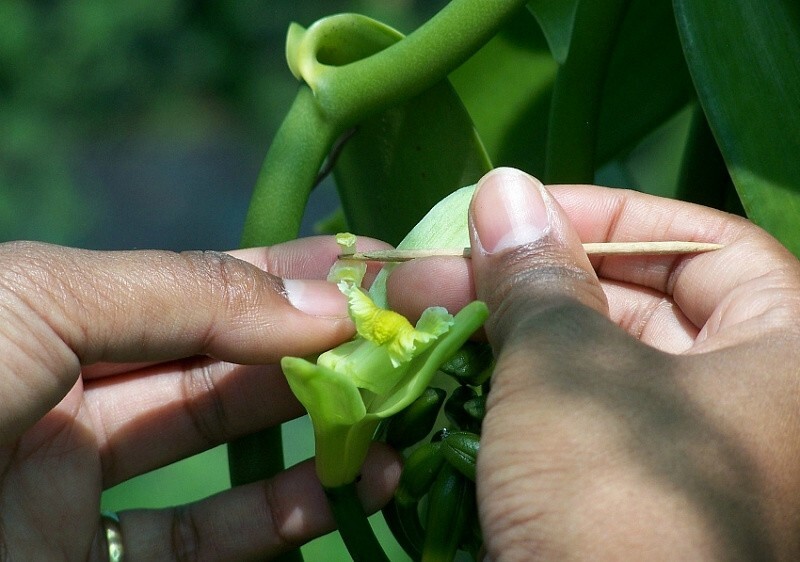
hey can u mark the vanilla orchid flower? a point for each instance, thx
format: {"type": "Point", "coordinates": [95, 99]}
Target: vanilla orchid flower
{"type": "Point", "coordinates": [354, 386]}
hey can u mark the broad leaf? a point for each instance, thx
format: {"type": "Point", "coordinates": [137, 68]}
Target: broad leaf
{"type": "Point", "coordinates": [556, 18]}
{"type": "Point", "coordinates": [743, 56]}
{"type": "Point", "coordinates": [647, 81]}
{"type": "Point", "coordinates": [401, 163]}
{"type": "Point", "coordinates": [506, 87]}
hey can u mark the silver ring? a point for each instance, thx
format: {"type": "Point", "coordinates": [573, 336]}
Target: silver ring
{"type": "Point", "coordinates": [113, 535]}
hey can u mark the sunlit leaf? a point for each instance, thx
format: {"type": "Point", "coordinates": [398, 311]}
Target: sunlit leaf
{"type": "Point", "coordinates": [743, 56]}
{"type": "Point", "coordinates": [506, 87]}
{"type": "Point", "coordinates": [647, 81]}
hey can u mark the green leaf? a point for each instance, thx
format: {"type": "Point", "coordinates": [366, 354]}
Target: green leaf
{"type": "Point", "coordinates": [577, 93]}
{"type": "Point", "coordinates": [399, 164]}
{"type": "Point", "coordinates": [647, 81]}
{"type": "Point", "coordinates": [506, 87]}
{"type": "Point", "coordinates": [557, 19]}
{"type": "Point", "coordinates": [743, 56]}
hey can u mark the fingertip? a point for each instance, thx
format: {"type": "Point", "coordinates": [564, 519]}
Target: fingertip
{"type": "Point", "coordinates": [316, 298]}
{"type": "Point", "coordinates": [306, 258]}
{"type": "Point", "coordinates": [525, 253]}
{"type": "Point", "coordinates": [418, 284]}
{"type": "Point", "coordinates": [509, 209]}
{"type": "Point", "coordinates": [379, 477]}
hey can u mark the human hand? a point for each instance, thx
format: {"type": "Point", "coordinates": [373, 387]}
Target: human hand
{"type": "Point", "coordinates": [116, 363]}
{"type": "Point", "coordinates": [645, 412]}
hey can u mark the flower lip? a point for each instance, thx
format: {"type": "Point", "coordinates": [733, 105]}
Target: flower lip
{"type": "Point", "coordinates": [388, 365]}
{"type": "Point", "coordinates": [354, 386]}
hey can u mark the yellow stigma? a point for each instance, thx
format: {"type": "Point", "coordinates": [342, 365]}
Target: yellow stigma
{"type": "Point", "coordinates": [374, 323]}
{"type": "Point", "coordinates": [384, 325]}
{"type": "Point", "coordinates": [380, 326]}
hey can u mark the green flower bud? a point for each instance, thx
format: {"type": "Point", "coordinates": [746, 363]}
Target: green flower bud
{"type": "Point", "coordinates": [415, 422]}
{"type": "Point", "coordinates": [351, 388]}
{"type": "Point", "coordinates": [460, 449]}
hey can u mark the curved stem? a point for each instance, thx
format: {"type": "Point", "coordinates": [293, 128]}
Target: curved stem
{"type": "Point", "coordinates": [284, 184]}
{"type": "Point", "coordinates": [415, 63]}
{"type": "Point", "coordinates": [289, 173]}
{"type": "Point", "coordinates": [356, 532]}
{"type": "Point", "coordinates": [577, 96]}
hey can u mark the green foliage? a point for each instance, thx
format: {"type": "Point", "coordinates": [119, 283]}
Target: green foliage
{"type": "Point", "coordinates": [744, 57]}
{"type": "Point", "coordinates": [684, 98]}
{"type": "Point", "coordinates": [87, 76]}
{"type": "Point", "coordinates": [695, 99]}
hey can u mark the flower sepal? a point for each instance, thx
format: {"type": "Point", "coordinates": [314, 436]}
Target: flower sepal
{"type": "Point", "coordinates": [351, 388]}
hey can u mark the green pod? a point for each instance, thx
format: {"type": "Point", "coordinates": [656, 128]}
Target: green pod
{"type": "Point", "coordinates": [451, 503]}
{"type": "Point", "coordinates": [403, 521]}
{"type": "Point", "coordinates": [460, 450]}
{"type": "Point", "coordinates": [412, 424]}
{"type": "Point", "coordinates": [454, 407]}
{"type": "Point", "coordinates": [472, 364]}
{"type": "Point", "coordinates": [472, 540]}
{"type": "Point", "coordinates": [476, 408]}
{"type": "Point", "coordinates": [419, 473]}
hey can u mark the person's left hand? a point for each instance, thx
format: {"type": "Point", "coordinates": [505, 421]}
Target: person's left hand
{"type": "Point", "coordinates": [166, 338]}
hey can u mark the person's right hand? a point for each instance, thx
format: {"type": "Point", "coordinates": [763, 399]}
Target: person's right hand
{"type": "Point", "coordinates": [653, 414]}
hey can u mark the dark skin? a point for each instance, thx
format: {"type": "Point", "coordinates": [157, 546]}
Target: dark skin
{"type": "Point", "coordinates": [648, 411]}
{"type": "Point", "coordinates": [116, 363]}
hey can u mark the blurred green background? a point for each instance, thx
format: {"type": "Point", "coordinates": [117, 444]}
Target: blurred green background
{"type": "Point", "coordinates": [143, 124]}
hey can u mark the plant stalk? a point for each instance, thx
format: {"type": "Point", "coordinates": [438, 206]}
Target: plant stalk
{"type": "Point", "coordinates": [417, 62]}
{"type": "Point", "coordinates": [289, 173]}
{"type": "Point", "coordinates": [354, 527]}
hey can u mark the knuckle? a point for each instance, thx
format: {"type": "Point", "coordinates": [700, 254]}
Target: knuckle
{"type": "Point", "coordinates": [233, 283]}
{"type": "Point", "coordinates": [275, 517]}
{"type": "Point", "coordinates": [540, 271]}
{"type": "Point", "coordinates": [204, 405]}
{"type": "Point", "coordinates": [236, 292]}
{"type": "Point", "coordinates": [185, 535]}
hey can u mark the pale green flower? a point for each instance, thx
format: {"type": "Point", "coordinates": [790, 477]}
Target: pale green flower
{"type": "Point", "coordinates": [352, 387]}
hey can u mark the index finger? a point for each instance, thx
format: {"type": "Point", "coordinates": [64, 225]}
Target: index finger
{"type": "Point", "coordinates": [699, 284]}
{"type": "Point", "coordinates": [64, 307]}
{"type": "Point", "coordinates": [306, 258]}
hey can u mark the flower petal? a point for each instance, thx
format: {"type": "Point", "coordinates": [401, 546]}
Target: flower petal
{"type": "Point", "coordinates": [422, 368]}
{"type": "Point", "coordinates": [328, 396]}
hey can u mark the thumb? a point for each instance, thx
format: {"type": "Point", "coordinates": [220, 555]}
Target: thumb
{"type": "Point", "coordinates": [529, 265]}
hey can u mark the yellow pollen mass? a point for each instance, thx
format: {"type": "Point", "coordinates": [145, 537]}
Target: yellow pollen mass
{"type": "Point", "coordinates": [386, 325]}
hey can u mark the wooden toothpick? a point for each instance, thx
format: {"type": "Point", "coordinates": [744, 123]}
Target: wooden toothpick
{"type": "Point", "coordinates": [591, 248]}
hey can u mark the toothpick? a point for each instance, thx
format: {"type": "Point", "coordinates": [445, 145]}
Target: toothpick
{"type": "Point", "coordinates": [591, 248]}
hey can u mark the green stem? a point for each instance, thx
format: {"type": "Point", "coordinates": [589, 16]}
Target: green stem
{"type": "Point", "coordinates": [578, 91]}
{"type": "Point", "coordinates": [276, 209]}
{"type": "Point", "coordinates": [403, 522]}
{"type": "Point", "coordinates": [289, 173]}
{"type": "Point", "coordinates": [414, 64]}
{"type": "Point", "coordinates": [354, 527]}
{"type": "Point", "coordinates": [252, 457]}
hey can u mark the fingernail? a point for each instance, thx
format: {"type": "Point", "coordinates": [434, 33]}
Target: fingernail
{"type": "Point", "coordinates": [508, 210]}
{"type": "Point", "coordinates": [317, 298]}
